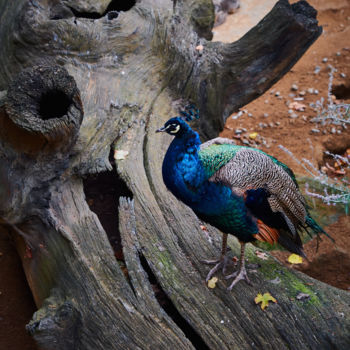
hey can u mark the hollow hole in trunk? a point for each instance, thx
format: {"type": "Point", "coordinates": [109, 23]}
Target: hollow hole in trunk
{"type": "Point", "coordinates": [167, 305]}
{"type": "Point", "coordinates": [53, 104]}
{"type": "Point", "coordinates": [111, 11]}
{"type": "Point", "coordinates": [102, 192]}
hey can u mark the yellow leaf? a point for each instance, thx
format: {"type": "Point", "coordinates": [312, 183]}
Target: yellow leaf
{"type": "Point", "coordinates": [212, 282]}
{"type": "Point", "coordinates": [253, 135]}
{"type": "Point", "coordinates": [295, 259]}
{"type": "Point", "coordinates": [264, 300]}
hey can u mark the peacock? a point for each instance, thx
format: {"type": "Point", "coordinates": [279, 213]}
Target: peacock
{"type": "Point", "coordinates": [238, 189]}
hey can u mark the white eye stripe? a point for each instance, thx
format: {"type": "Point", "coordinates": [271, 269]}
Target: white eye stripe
{"type": "Point", "coordinates": [177, 128]}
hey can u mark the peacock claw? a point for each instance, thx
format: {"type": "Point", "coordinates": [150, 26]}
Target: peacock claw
{"type": "Point", "coordinates": [238, 276]}
{"type": "Point", "coordinates": [219, 263]}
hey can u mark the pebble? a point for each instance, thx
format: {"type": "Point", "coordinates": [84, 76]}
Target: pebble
{"type": "Point", "coordinates": [338, 132]}
{"type": "Point", "coordinates": [294, 87]}
{"type": "Point", "coordinates": [333, 130]}
{"type": "Point", "coordinates": [304, 117]}
{"type": "Point", "coordinates": [315, 131]}
{"type": "Point", "coordinates": [343, 75]}
{"type": "Point", "coordinates": [290, 111]}
{"type": "Point", "coordinates": [302, 93]}
{"type": "Point", "coordinates": [324, 59]}
{"type": "Point", "coordinates": [245, 142]}
{"type": "Point", "coordinates": [278, 123]}
{"type": "Point", "coordinates": [265, 115]}
{"type": "Point", "coordinates": [293, 115]}
{"type": "Point", "coordinates": [280, 97]}
{"type": "Point", "coordinates": [310, 91]}
{"type": "Point", "coordinates": [317, 70]}
{"type": "Point", "coordinates": [277, 93]}
{"type": "Point", "coordinates": [291, 94]}
{"type": "Point", "coordinates": [250, 115]}
{"type": "Point", "coordinates": [266, 101]}
{"type": "Point", "coordinates": [338, 53]}
{"type": "Point", "coordinates": [271, 125]}
{"type": "Point", "coordinates": [298, 99]}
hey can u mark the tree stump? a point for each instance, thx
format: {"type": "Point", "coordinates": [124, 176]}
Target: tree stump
{"type": "Point", "coordinates": [80, 79]}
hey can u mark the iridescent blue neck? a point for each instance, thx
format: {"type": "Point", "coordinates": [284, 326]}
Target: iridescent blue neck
{"type": "Point", "coordinates": [181, 166]}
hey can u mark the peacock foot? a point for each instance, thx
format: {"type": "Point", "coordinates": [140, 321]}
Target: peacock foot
{"type": "Point", "coordinates": [239, 275]}
{"type": "Point", "coordinates": [220, 263]}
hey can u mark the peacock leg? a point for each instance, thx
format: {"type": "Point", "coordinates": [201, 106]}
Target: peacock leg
{"type": "Point", "coordinates": [219, 263]}
{"type": "Point", "coordinates": [241, 274]}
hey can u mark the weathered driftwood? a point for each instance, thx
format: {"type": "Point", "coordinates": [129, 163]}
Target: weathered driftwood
{"type": "Point", "coordinates": [133, 70]}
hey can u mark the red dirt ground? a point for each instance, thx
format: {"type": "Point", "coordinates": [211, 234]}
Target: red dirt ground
{"type": "Point", "coordinates": [331, 263]}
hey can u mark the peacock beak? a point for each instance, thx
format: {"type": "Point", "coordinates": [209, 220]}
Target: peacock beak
{"type": "Point", "coordinates": [162, 129]}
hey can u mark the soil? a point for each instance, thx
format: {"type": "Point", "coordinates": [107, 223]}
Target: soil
{"type": "Point", "coordinates": [276, 122]}
{"type": "Point", "coordinates": [331, 263]}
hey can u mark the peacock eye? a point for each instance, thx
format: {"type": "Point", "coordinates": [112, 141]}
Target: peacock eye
{"type": "Point", "coordinates": [176, 128]}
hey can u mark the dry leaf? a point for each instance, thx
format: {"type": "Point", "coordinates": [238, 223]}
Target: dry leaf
{"type": "Point", "coordinates": [264, 300]}
{"type": "Point", "coordinates": [261, 255]}
{"type": "Point", "coordinates": [253, 135]}
{"type": "Point", "coordinates": [297, 106]}
{"type": "Point", "coordinates": [199, 48]}
{"type": "Point", "coordinates": [212, 282]}
{"type": "Point", "coordinates": [120, 154]}
{"type": "Point", "coordinates": [295, 259]}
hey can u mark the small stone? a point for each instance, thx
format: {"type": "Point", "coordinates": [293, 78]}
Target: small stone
{"type": "Point", "coordinates": [338, 53]}
{"type": "Point", "coordinates": [250, 115]}
{"type": "Point", "coordinates": [294, 87]}
{"type": "Point", "coordinates": [304, 117]}
{"type": "Point", "coordinates": [245, 142]}
{"type": "Point", "coordinates": [317, 70]}
{"type": "Point", "coordinates": [298, 99]}
{"type": "Point", "coordinates": [280, 97]}
{"type": "Point", "coordinates": [302, 93]}
{"type": "Point", "coordinates": [271, 125]}
{"type": "Point", "coordinates": [277, 93]}
{"type": "Point", "coordinates": [310, 90]}
{"type": "Point", "coordinates": [265, 115]}
{"type": "Point", "coordinates": [238, 131]}
{"type": "Point", "coordinates": [278, 123]}
{"type": "Point", "coordinates": [266, 101]}
{"type": "Point", "coordinates": [324, 60]}
{"type": "Point", "coordinates": [293, 116]}
{"type": "Point", "coordinates": [315, 131]}
{"type": "Point", "coordinates": [302, 296]}
{"type": "Point", "coordinates": [343, 75]}
{"type": "Point", "coordinates": [291, 95]}
{"type": "Point", "coordinates": [333, 130]}
{"type": "Point", "coordinates": [315, 91]}
{"type": "Point", "coordinates": [338, 132]}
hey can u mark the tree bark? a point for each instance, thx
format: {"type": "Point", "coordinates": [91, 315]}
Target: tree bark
{"type": "Point", "coordinates": [110, 82]}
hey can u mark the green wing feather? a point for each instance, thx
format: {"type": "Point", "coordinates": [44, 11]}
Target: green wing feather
{"type": "Point", "coordinates": [216, 156]}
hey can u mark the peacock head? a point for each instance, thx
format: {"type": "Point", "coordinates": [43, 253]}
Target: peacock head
{"type": "Point", "coordinates": [176, 127]}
